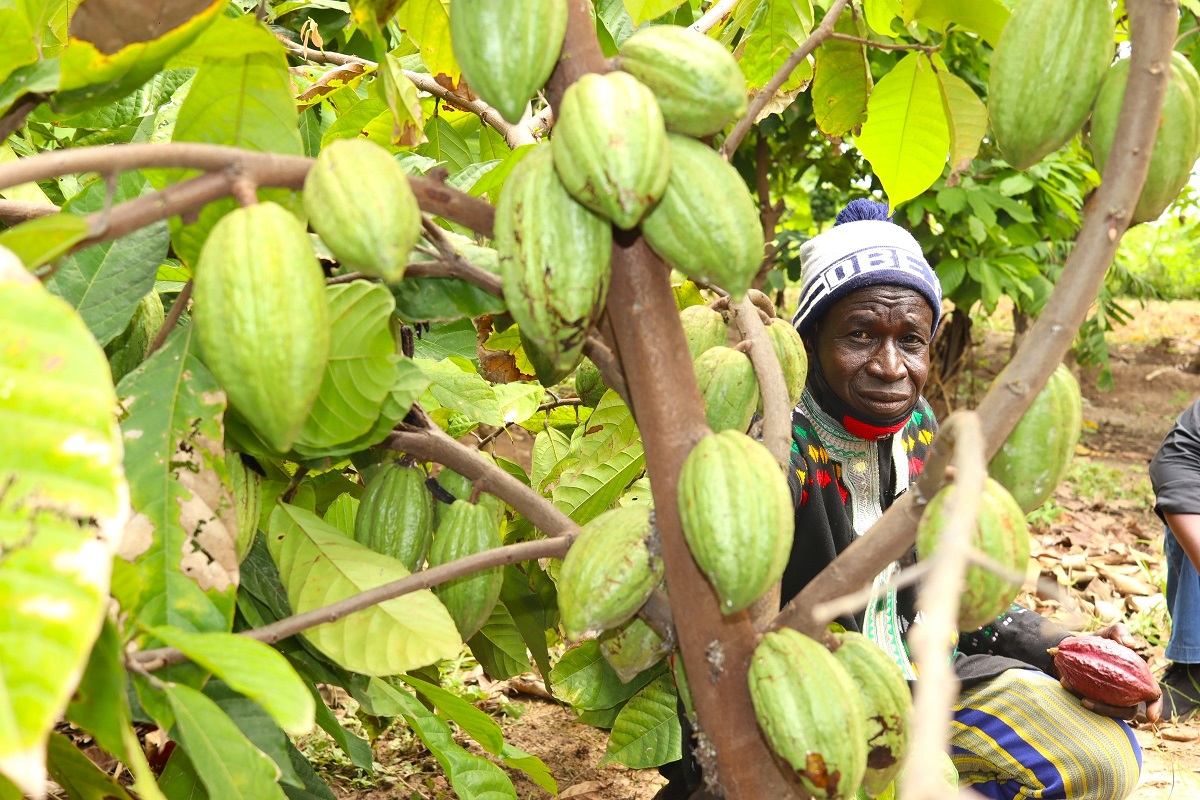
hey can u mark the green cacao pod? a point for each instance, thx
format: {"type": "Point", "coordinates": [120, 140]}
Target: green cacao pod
{"type": "Point", "coordinates": [359, 202]}
{"type": "Point", "coordinates": [729, 388]}
{"type": "Point", "coordinates": [1045, 73]}
{"type": "Point", "coordinates": [262, 318]}
{"type": "Point", "coordinates": [789, 349]}
{"type": "Point", "coordinates": [1175, 145]}
{"type": "Point", "coordinates": [465, 530]}
{"type": "Point", "coordinates": [698, 83]}
{"type": "Point", "coordinates": [610, 147]}
{"type": "Point", "coordinates": [1001, 535]}
{"type": "Point", "coordinates": [395, 515]}
{"type": "Point", "coordinates": [589, 383]}
{"type": "Point", "coordinates": [810, 712]}
{"type": "Point", "coordinates": [704, 329]}
{"type": "Point", "coordinates": [507, 50]}
{"type": "Point", "coordinates": [1035, 456]}
{"type": "Point", "coordinates": [247, 499]}
{"type": "Point", "coordinates": [706, 225]}
{"type": "Point", "coordinates": [736, 511]}
{"type": "Point", "coordinates": [554, 261]}
{"type": "Point", "coordinates": [609, 571]}
{"type": "Point", "coordinates": [462, 488]}
{"type": "Point", "coordinates": [632, 648]}
{"type": "Point", "coordinates": [886, 701]}
{"type": "Point", "coordinates": [129, 349]}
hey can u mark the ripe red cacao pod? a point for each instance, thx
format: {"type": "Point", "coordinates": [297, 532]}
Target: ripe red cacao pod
{"type": "Point", "coordinates": [1105, 671]}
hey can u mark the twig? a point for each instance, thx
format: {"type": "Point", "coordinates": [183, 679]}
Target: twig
{"type": "Point", "coordinates": [431, 443]}
{"type": "Point", "coordinates": [14, 118]}
{"type": "Point", "coordinates": [350, 277]}
{"type": "Point", "coordinates": [820, 34]}
{"type": "Point", "coordinates": [172, 318]}
{"type": "Point", "coordinates": [932, 641]}
{"type": "Point", "coordinates": [929, 49]}
{"type": "Point", "coordinates": [565, 401]}
{"type": "Point", "coordinates": [717, 13]}
{"type": "Point", "coordinates": [459, 267]}
{"type": "Point", "coordinates": [555, 547]}
{"type": "Point", "coordinates": [777, 429]}
{"type": "Point", "coordinates": [245, 191]}
{"type": "Point", "coordinates": [827, 612]}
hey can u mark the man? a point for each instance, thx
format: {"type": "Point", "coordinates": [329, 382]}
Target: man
{"type": "Point", "coordinates": [869, 306]}
{"type": "Point", "coordinates": [1175, 476]}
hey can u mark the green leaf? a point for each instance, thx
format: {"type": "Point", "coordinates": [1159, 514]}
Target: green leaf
{"type": "Point", "coordinates": [462, 391]}
{"type": "Point", "coordinates": [445, 145]}
{"type": "Point", "coordinates": [968, 119]}
{"type": "Point", "coordinates": [645, 10]}
{"type": "Point", "coordinates": [529, 613]}
{"type": "Point", "coordinates": [841, 82]}
{"type": "Point", "coordinates": [361, 368]}
{"type": "Point", "coordinates": [179, 486]}
{"type": "Point", "coordinates": [105, 282]}
{"type": "Point", "coordinates": [423, 299]}
{"type": "Point", "coordinates": [427, 22]}
{"type": "Point", "coordinates": [342, 513]}
{"type": "Point", "coordinates": [179, 780]}
{"type": "Point", "coordinates": [475, 723]}
{"type": "Point", "coordinates": [610, 457]}
{"type": "Point", "coordinates": [61, 515]}
{"type": "Point", "coordinates": [881, 14]}
{"type": "Point", "coordinates": [228, 764]}
{"type": "Point", "coordinates": [499, 647]}
{"type": "Point", "coordinates": [518, 401]}
{"type": "Point", "coordinates": [104, 62]}
{"type": "Point", "coordinates": [493, 181]}
{"type": "Point", "coordinates": [471, 777]}
{"type": "Point", "coordinates": [985, 17]}
{"type": "Point", "coordinates": [257, 725]}
{"type": "Point", "coordinates": [357, 749]}
{"type": "Point", "coordinates": [77, 775]}
{"type": "Point", "coordinates": [550, 447]}
{"type": "Point", "coordinates": [400, 94]}
{"type": "Point", "coordinates": [250, 668]}
{"type": "Point", "coordinates": [320, 565]}
{"type": "Point", "coordinates": [314, 787]}
{"type": "Point", "coordinates": [777, 30]}
{"type": "Point", "coordinates": [906, 136]}
{"type": "Point", "coordinates": [17, 42]}
{"type": "Point", "coordinates": [585, 680]}
{"type": "Point", "coordinates": [647, 731]}
{"type": "Point", "coordinates": [40, 77]}
{"type": "Point", "coordinates": [40, 241]}
{"type": "Point", "coordinates": [451, 339]}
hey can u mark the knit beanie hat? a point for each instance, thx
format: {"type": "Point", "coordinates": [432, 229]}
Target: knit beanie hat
{"type": "Point", "coordinates": [863, 248]}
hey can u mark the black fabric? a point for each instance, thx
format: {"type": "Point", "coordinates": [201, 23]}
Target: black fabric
{"type": "Point", "coordinates": [1175, 470]}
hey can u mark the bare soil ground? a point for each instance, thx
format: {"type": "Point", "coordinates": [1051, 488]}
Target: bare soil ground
{"type": "Point", "coordinates": [1099, 553]}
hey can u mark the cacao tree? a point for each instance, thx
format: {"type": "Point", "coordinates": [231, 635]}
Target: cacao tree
{"type": "Point", "coordinates": [241, 459]}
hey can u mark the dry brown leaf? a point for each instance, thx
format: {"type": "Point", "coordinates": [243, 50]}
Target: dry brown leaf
{"type": "Point", "coordinates": [588, 790]}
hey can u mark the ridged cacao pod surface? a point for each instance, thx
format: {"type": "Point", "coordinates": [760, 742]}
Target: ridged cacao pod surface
{"type": "Point", "coordinates": [589, 383]}
{"type": "Point", "coordinates": [729, 388]}
{"type": "Point", "coordinates": [610, 147]}
{"type": "Point", "coordinates": [395, 515]}
{"type": "Point", "coordinates": [632, 648]}
{"type": "Point", "coordinates": [129, 349]}
{"type": "Point", "coordinates": [887, 702]}
{"type": "Point", "coordinates": [810, 712]}
{"type": "Point", "coordinates": [247, 499]}
{"type": "Point", "coordinates": [507, 50]}
{"type": "Point", "coordinates": [462, 488]}
{"type": "Point", "coordinates": [1175, 146]}
{"type": "Point", "coordinates": [359, 202]}
{"type": "Point", "coordinates": [609, 571]}
{"type": "Point", "coordinates": [704, 328]}
{"type": "Point", "coordinates": [789, 349]}
{"type": "Point", "coordinates": [262, 318]}
{"type": "Point", "coordinates": [736, 512]}
{"type": "Point", "coordinates": [1045, 74]}
{"type": "Point", "coordinates": [706, 225]}
{"type": "Point", "coordinates": [554, 260]}
{"type": "Point", "coordinates": [1105, 671]}
{"type": "Point", "coordinates": [465, 530]}
{"type": "Point", "coordinates": [1002, 534]}
{"type": "Point", "coordinates": [1035, 456]}
{"type": "Point", "coordinates": [698, 83]}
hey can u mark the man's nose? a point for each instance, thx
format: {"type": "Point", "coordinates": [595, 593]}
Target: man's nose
{"type": "Point", "coordinates": [888, 364]}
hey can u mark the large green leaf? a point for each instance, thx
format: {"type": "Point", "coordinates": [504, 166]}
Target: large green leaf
{"type": "Point", "coordinates": [36, 78]}
{"type": "Point", "coordinates": [645, 10]}
{"type": "Point", "coordinates": [499, 647]}
{"type": "Point", "coordinates": [257, 725]}
{"type": "Point", "coordinates": [985, 17]}
{"type": "Point", "coordinates": [105, 282]}
{"type": "Point", "coordinates": [105, 61]}
{"type": "Point", "coordinates": [585, 680]}
{"type": "Point", "coordinates": [179, 485]}
{"type": "Point", "coordinates": [361, 368]}
{"type": "Point", "coordinates": [320, 565]}
{"type": "Point", "coordinates": [427, 23]}
{"type": "Point", "coordinates": [461, 390]}
{"type": "Point", "coordinates": [445, 145]}
{"type": "Point", "coordinates": [40, 241]}
{"type": "Point", "coordinates": [610, 457]}
{"type": "Point", "coordinates": [881, 14]}
{"type": "Point", "coordinates": [550, 446]}
{"type": "Point", "coordinates": [251, 668]}
{"type": "Point", "coordinates": [841, 81]}
{"type": "Point", "coordinates": [61, 513]}
{"type": "Point", "coordinates": [531, 613]}
{"type": "Point", "coordinates": [906, 136]}
{"type": "Point", "coordinates": [968, 119]}
{"type": "Point", "coordinates": [647, 732]}
{"type": "Point", "coordinates": [779, 27]}
{"type": "Point", "coordinates": [472, 777]}
{"type": "Point", "coordinates": [16, 41]}
{"type": "Point", "coordinates": [79, 777]}
{"type": "Point", "coordinates": [230, 767]}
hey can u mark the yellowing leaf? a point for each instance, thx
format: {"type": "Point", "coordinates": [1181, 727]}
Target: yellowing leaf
{"type": "Point", "coordinates": [880, 14]}
{"type": "Point", "coordinates": [320, 565]}
{"type": "Point", "coordinates": [842, 82]}
{"type": "Point", "coordinates": [775, 31]}
{"type": "Point", "coordinates": [643, 10]}
{"type": "Point", "coordinates": [968, 120]}
{"type": "Point", "coordinates": [427, 23]}
{"type": "Point", "coordinates": [985, 17]}
{"type": "Point", "coordinates": [906, 136]}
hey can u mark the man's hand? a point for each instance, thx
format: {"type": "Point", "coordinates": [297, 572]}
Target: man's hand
{"type": "Point", "coordinates": [1119, 633]}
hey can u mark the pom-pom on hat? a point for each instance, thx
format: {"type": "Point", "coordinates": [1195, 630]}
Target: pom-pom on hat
{"type": "Point", "coordinates": [863, 248]}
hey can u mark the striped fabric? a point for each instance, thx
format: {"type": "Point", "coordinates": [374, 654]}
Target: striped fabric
{"type": "Point", "coordinates": [1021, 735]}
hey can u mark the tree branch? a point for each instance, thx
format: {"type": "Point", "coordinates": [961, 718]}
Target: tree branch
{"type": "Point", "coordinates": [457, 266]}
{"type": "Point", "coordinates": [717, 13]}
{"type": "Point", "coordinates": [172, 318]}
{"type": "Point", "coordinates": [431, 443]}
{"type": "Point", "coordinates": [606, 361]}
{"type": "Point", "coordinates": [555, 547]}
{"type": "Point", "coordinates": [929, 49]}
{"type": "Point", "coordinates": [819, 34]}
{"type": "Point", "coordinates": [13, 212]}
{"type": "Point", "coordinates": [777, 429]}
{"type": "Point", "coordinates": [553, 404]}
{"type": "Point", "coordinates": [1153, 31]}
{"type": "Point", "coordinates": [14, 118]}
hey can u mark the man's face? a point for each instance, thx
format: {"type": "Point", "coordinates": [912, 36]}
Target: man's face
{"type": "Point", "coordinates": [874, 349]}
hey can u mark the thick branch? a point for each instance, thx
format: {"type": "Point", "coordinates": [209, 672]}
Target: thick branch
{"type": "Point", "coordinates": [433, 444]}
{"type": "Point", "coordinates": [555, 547]}
{"type": "Point", "coordinates": [13, 212]}
{"type": "Point", "coordinates": [1153, 31]}
{"type": "Point", "coordinates": [820, 34]}
{"type": "Point", "coordinates": [777, 429]}
{"type": "Point", "coordinates": [716, 15]}
{"type": "Point", "coordinates": [606, 361]}
{"type": "Point", "coordinates": [459, 267]}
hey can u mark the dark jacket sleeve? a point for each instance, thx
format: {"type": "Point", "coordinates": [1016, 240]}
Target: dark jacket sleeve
{"type": "Point", "coordinates": [1175, 470]}
{"type": "Point", "coordinates": [1018, 634]}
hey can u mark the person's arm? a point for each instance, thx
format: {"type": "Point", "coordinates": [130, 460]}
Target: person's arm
{"type": "Point", "coordinates": [1186, 528]}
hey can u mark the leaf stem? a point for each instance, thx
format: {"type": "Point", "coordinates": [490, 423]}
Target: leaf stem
{"type": "Point", "coordinates": [172, 319]}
